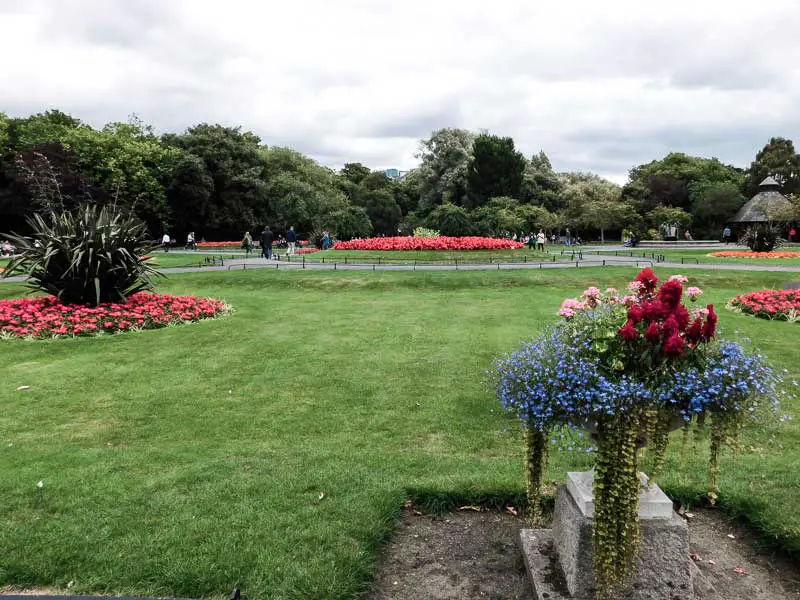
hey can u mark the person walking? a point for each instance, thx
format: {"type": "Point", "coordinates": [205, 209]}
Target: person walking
{"type": "Point", "coordinates": [540, 239]}
{"type": "Point", "coordinates": [190, 243]}
{"type": "Point", "coordinates": [726, 234]}
{"type": "Point", "coordinates": [165, 242]}
{"type": "Point", "coordinates": [267, 237]}
{"type": "Point", "coordinates": [247, 243]}
{"type": "Point", "coordinates": [326, 240]}
{"type": "Point", "coordinates": [792, 235]}
{"type": "Point", "coordinates": [569, 238]}
{"type": "Point", "coordinates": [291, 240]}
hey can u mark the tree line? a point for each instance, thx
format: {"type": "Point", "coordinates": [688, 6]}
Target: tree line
{"type": "Point", "coordinates": [221, 181]}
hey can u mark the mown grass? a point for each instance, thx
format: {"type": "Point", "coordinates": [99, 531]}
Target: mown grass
{"type": "Point", "coordinates": [703, 256]}
{"type": "Point", "coordinates": [186, 460]}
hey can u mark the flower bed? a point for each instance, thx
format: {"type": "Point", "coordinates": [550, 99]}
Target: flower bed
{"type": "Point", "coordinates": [218, 244]}
{"type": "Point", "coordinates": [778, 305]}
{"type": "Point", "coordinates": [751, 254]}
{"type": "Point", "coordinates": [47, 317]}
{"type": "Point", "coordinates": [301, 243]}
{"type": "Point", "coordinates": [306, 250]}
{"type": "Point", "coordinates": [437, 243]}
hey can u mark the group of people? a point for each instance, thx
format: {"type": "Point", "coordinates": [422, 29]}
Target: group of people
{"type": "Point", "coordinates": [267, 240]}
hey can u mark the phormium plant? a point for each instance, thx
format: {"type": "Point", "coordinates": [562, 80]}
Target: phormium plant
{"type": "Point", "coordinates": [87, 256]}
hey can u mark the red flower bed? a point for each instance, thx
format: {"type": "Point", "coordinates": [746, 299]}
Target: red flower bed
{"type": "Point", "coordinates": [751, 254]}
{"type": "Point", "coordinates": [47, 317]}
{"type": "Point", "coordinates": [780, 305]}
{"type": "Point", "coordinates": [439, 243]}
{"type": "Point", "coordinates": [217, 244]}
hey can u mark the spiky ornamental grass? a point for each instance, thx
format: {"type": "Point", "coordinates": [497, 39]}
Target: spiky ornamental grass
{"type": "Point", "coordinates": [89, 256]}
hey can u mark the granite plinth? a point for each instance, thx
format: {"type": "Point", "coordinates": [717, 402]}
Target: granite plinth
{"type": "Point", "coordinates": [653, 502]}
{"type": "Point", "coordinates": [661, 569]}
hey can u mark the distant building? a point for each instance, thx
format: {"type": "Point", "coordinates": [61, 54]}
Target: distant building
{"type": "Point", "coordinates": [766, 203]}
{"type": "Point", "coordinates": [395, 173]}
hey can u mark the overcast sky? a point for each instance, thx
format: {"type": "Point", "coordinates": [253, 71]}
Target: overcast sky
{"type": "Point", "coordinates": [599, 86]}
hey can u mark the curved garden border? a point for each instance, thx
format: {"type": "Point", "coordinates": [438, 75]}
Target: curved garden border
{"type": "Point", "coordinates": [46, 317]}
{"type": "Point", "coordinates": [776, 305]}
{"type": "Point", "coordinates": [751, 254]}
{"type": "Point", "coordinates": [436, 243]}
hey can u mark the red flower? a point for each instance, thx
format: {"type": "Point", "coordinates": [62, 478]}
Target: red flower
{"type": "Point", "coordinates": [636, 313]}
{"type": "Point", "coordinates": [653, 333]}
{"type": "Point", "coordinates": [710, 326]}
{"type": "Point", "coordinates": [655, 311]}
{"type": "Point", "coordinates": [674, 346]}
{"type": "Point", "coordinates": [695, 331]}
{"type": "Point", "coordinates": [670, 293]}
{"type": "Point", "coordinates": [682, 316]}
{"type": "Point", "coordinates": [648, 280]}
{"type": "Point", "coordinates": [629, 333]}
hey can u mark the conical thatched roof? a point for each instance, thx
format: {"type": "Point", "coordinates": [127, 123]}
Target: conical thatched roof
{"type": "Point", "coordinates": [768, 201]}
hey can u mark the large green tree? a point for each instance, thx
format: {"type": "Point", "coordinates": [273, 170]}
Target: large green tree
{"type": "Point", "coordinates": [449, 219]}
{"type": "Point", "coordinates": [301, 193]}
{"type": "Point", "coordinates": [671, 180]}
{"type": "Point", "coordinates": [495, 170]}
{"type": "Point", "coordinates": [779, 160]}
{"type": "Point", "coordinates": [713, 204]}
{"type": "Point", "coordinates": [541, 185]}
{"type": "Point", "coordinates": [444, 162]}
{"type": "Point", "coordinates": [222, 169]}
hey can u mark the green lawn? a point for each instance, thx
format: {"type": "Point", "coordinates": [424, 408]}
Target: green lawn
{"type": "Point", "coordinates": [186, 460]}
{"type": "Point", "coordinates": [703, 256]}
{"type": "Point", "coordinates": [437, 256]}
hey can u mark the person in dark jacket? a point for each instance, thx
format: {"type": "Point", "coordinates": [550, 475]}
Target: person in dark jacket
{"type": "Point", "coordinates": [291, 240]}
{"type": "Point", "coordinates": [267, 237]}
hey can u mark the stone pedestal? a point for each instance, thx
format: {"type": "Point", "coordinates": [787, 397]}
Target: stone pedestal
{"type": "Point", "coordinates": [662, 569]}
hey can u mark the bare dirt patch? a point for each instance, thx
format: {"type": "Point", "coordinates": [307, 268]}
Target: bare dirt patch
{"type": "Point", "coordinates": [469, 555]}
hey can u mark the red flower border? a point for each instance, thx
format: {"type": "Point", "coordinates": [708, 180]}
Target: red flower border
{"type": "Point", "coordinates": [466, 243]}
{"type": "Point", "coordinates": [776, 305]}
{"type": "Point", "coordinates": [751, 254]}
{"type": "Point", "coordinates": [47, 317]}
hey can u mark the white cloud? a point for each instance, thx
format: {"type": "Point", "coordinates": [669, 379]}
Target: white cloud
{"type": "Point", "coordinates": [598, 86]}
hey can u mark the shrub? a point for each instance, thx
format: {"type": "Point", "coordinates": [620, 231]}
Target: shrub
{"type": "Point", "coordinates": [424, 232]}
{"type": "Point", "coordinates": [89, 256]}
{"type": "Point", "coordinates": [762, 238]}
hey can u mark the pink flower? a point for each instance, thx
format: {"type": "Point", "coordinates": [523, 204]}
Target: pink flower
{"type": "Point", "coordinates": [566, 313]}
{"type": "Point", "coordinates": [592, 292]}
{"type": "Point", "coordinates": [693, 293]}
{"type": "Point", "coordinates": [679, 278]}
{"type": "Point", "coordinates": [635, 286]}
{"type": "Point", "coordinates": [570, 303]}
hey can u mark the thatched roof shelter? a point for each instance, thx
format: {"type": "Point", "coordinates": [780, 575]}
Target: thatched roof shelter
{"type": "Point", "coordinates": [768, 201]}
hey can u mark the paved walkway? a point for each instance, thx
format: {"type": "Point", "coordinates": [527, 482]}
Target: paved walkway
{"type": "Point", "coordinates": [561, 263]}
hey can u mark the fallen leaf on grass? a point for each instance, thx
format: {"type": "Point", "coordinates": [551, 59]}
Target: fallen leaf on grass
{"type": "Point", "coordinates": [408, 503]}
{"type": "Point", "coordinates": [512, 511]}
{"type": "Point", "coordinates": [23, 387]}
{"type": "Point", "coordinates": [730, 535]}
{"type": "Point", "coordinates": [740, 571]}
{"type": "Point", "coordinates": [472, 508]}
{"type": "Point", "coordinates": [322, 495]}
{"type": "Point", "coordinates": [712, 562]}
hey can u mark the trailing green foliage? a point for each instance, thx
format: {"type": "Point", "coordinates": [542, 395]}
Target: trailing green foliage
{"type": "Point", "coordinates": [92, 255]}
